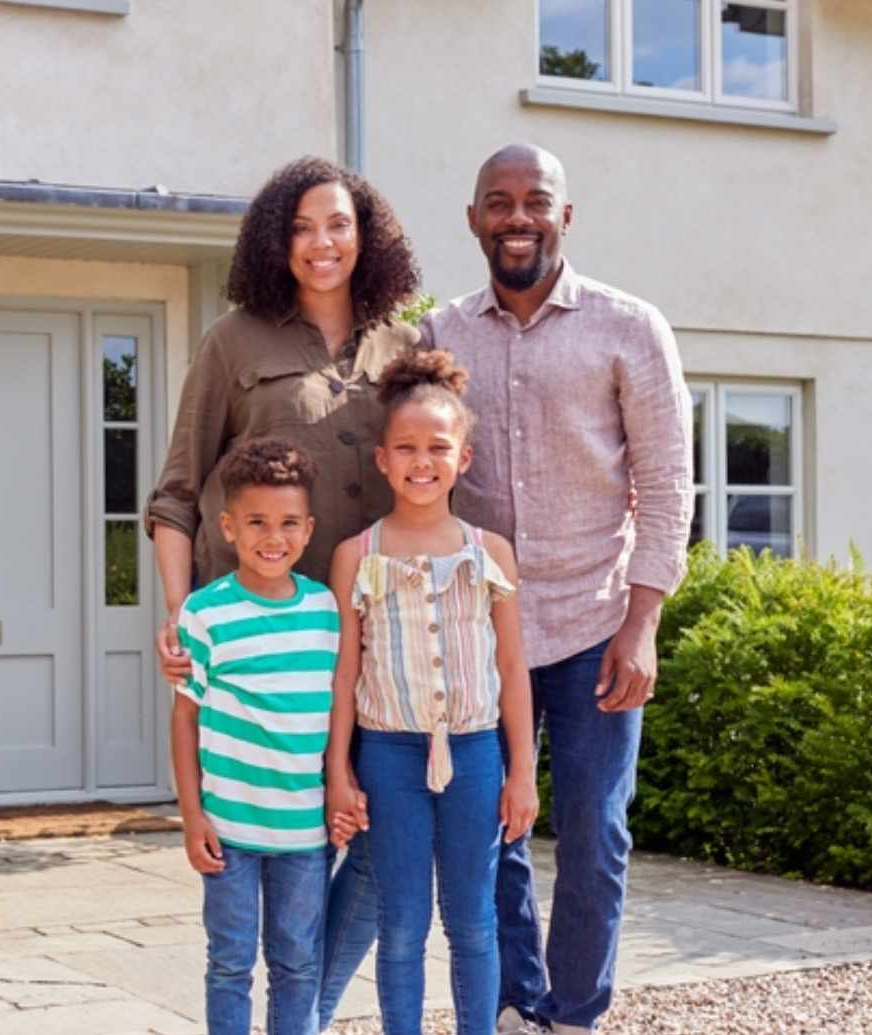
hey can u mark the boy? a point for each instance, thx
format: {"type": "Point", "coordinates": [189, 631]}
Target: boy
{"type": "Point", "coordinates": [249, 730]}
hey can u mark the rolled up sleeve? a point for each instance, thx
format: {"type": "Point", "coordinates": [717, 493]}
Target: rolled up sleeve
{"type": "Point", "coordinates": [657, 417]}
{"type": "Point", "coordinates": [197, 443]}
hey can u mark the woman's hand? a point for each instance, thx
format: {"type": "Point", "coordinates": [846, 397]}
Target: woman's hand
{"type": "Point", "coordinates": [519, 805]}
{"type": "Point", "coordinates": [175, 664]}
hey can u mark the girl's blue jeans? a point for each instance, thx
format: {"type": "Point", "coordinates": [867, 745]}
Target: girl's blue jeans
{"type": "Point", "coordinates": [410, 828]}
{"type": "Point", "coordinates": [291, 887]}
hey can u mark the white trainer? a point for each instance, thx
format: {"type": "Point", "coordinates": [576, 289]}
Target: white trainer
{"type": "Point", "coordinates": [510, 1022]}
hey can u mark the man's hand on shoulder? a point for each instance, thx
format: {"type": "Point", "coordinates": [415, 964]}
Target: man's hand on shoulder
{"type": "Point", "coordinates": [629, 668]}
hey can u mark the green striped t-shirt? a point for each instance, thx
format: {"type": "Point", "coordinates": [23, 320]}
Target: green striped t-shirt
{"type": "Point", "coordinates": [262, 677]}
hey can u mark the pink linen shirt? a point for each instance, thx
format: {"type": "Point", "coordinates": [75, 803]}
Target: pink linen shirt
{"type": "Point", "coordinates": [572, 408]}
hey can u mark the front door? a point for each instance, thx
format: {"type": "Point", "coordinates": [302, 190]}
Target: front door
{"type": "Point", "coordinates": [41, 538]}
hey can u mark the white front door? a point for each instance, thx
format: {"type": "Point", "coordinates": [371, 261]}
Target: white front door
{"type": "Point", "coordinates": [81, 714]}
{"type": "Point", "coordinates": [41, 571]}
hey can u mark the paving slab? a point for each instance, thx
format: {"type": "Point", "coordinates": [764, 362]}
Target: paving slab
{"type": "Point", "coordinates": [114, 1018]}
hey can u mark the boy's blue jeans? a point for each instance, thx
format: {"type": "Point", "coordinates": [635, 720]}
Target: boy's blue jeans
{"type": "Point", "coordinates": [410, 828]}
{"type": "Point", "coordinates": [291, 887]}
{"type": "Point", "coordinates": [593, 766]}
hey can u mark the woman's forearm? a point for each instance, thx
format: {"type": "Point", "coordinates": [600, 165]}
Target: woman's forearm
{"type": "Point", "coordinates": [175, 561]}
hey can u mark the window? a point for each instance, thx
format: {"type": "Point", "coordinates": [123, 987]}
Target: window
{"type": "Point", "coordinates": [747, 466]}
{"type": "Point", "coordinates": [715, 52]}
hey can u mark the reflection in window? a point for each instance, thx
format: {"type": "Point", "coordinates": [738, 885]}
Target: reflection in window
{"type": "Point", "coordinates": [758, 439]}
{"type": "Point", "coordinates": [119, 378]}
{"type": "Point", "coordinates": [122, 564]}
{"type": "Point", "coordinates": [760, 522]}
{"type": "Point", "coordinates": [754, 46]}
{"type": "Point", "coordinates": [666, 44]}
{"type": "Point", "coordinates": [698, 522]}
{"type": "Point", "coordinates": [699, 473]}
{"type": "Point", "coordinates": [575, 39]}
{"type": "Point", "coordinates": [120, 468]}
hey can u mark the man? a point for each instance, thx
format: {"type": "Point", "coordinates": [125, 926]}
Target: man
{"type": "Point", "coordinates": [580, 401]}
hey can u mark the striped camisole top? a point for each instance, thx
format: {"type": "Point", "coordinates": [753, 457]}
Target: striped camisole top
{"type": "Point", "coordinates": [428, 663]}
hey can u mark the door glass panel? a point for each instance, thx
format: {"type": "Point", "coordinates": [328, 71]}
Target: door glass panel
{"type": "Point", "coordinates": [760, 522]}
{"type": "Point", "coordinates": [698, 522]}
{"type": "Point", "coordinates": [699, 472]}
{"type": "Point", "coordinates": [122, 563]}
{"type": "Point", "coordinates": [754, 48]}
{"type": "Point", "coordinates": [758, 439]}
{"type": "Point", "coordinates": [119, 378]}
{"type": "Point", "coordinates": [666, 44]}
{"type": "Point", "coordinates": [575, 37]}
{"type": "Point", "coordinates": [120, 470]}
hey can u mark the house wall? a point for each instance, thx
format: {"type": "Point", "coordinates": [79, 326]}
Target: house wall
{"type": "Point", "coordinates": [202, 96]}
{"type": "Point", "coordinates": [756, 243]}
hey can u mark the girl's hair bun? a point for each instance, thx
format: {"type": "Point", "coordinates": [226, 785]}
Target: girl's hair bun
{"type": "Point", "coordinates": [415, 367]}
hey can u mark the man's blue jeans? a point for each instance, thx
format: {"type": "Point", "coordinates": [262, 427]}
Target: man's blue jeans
{"type": "Point", "coordinates": [593, 766]}
{"type": "Point", "coordinates": [291, 886]}
{"type": "Point", "coordinates": [593, 773]}
{"type": "Point", "coordinates": [410, 828]}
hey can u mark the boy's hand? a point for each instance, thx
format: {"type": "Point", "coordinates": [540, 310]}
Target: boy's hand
{"type": "Point", "coordinates": [203, 846]}
{"type": "Point", "coordinates": [519, 806]}
{"type": "Point", "coordinates": [342, 829]}
{"type": "Point", "coordinates": [346, 810]}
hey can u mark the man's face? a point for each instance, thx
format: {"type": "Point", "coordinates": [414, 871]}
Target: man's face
{"type": "Point", "coordinates": [519, 216]}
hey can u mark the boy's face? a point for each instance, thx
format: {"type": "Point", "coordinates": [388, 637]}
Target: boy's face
{"type": "Point", "coordinates": [270, 526]}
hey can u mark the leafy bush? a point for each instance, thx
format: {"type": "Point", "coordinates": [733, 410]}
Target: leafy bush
{"type": "Point", "coordinates": [413, 312]}
{"type": "Point", "coordinates": [757, 750]}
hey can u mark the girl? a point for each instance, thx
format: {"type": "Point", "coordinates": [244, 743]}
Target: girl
{"type": "Point", "coordinates": [430, 657]}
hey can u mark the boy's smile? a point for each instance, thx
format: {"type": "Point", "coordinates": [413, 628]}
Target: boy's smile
{"type": "Point", "coordinates": [270, 526]}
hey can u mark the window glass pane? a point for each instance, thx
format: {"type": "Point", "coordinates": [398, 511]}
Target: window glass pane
{"type": "Point", "coordinates": [699, 472]}
{"type": "Point", "coordinates": [697, 524]}
{"type": "Point", "coordinates": [666, 44]}
{"type": "Point", "coordinates": [574, 39]}
{"type": "Point", "coordinates": [119, 378]}
{"type": "Point", "coordinates": [760, 522]}
{"type": "Point", "coordinates": [754, 47]}
{"type": "Point", "coordinates": [122, 563]}
{"type": "Point", "coordinates": [120, 471]}
{"type": "Point", "coordinates": [758, 439]}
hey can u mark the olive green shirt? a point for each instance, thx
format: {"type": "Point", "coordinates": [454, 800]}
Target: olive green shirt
{"type": "Point", "coordinates": [253, 378]}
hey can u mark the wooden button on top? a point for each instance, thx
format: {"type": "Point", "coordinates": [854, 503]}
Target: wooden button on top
{"type": "Point", "coordinates": [437, 663]}
{"type": "Point", "coordinates": [433, 627]}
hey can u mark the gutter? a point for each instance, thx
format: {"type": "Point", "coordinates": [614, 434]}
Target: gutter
{"type": "Point", "coordinates": [353, 50]}
{"type": "Point", "coordinates": [154, 199]}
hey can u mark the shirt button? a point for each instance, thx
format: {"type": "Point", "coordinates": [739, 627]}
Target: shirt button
{"type": "Point", "coordinates": [523, 535]}
{"type": "Point", "coordinates": [353, 490]}
{"type": "Point", "coordinates": [433, 627]}
{"type": "Point", "coordinates": [439, 695]}
{"type": "Point", "coordinates": [426, 566]}
{"type": "Point", "coordinates": [516, 383]}
{"type": "Point", "coordinates": [518, 433]}
{"type": "Point", "coordinates": [437, 663]}
{"type": "Point", "coordinates": [337, 387]}
{"type": "Point", "coordinates": [431, 598]}
{"type": "Point", "coordinates": [520, 485]}
{"type": "Point", "coordinates": [347, 438]}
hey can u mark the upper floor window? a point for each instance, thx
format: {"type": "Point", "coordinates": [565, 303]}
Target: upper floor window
{"type": "Point", "coordinates": [712, 51]}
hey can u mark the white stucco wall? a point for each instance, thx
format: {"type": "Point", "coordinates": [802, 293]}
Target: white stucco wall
{"type": "Point", "coordinates": [203, 96]}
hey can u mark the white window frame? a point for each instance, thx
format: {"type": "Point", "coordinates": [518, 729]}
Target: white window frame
{"type": "Point", "coordinates": [119, 7]}
{"type": "Point", "coordinates": [716, 488]}
{"type": "Point", "coordinates": [711, 93]}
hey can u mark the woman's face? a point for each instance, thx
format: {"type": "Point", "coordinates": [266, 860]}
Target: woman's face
{"type": "Point", "coordinates": [324, 241]}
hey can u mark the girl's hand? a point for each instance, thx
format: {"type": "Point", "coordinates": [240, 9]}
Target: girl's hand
{"type": "Point", "coordinates": [202, 845]}
{"type": "Point", "coordinates": [519, 806]}
{"type": "Point", "coordinates": [346, 809]}
{"type": "Point", "coordinates": [175, 665]}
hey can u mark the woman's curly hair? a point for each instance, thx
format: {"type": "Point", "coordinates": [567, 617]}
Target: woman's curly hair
{"type": "Point", "coordinates": [385, 276]}
{"type": "Point", "coordinates": [420, 375]}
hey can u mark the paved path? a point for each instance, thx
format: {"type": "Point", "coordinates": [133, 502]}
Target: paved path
{"type": "Point", "coordinates": [102, 936]}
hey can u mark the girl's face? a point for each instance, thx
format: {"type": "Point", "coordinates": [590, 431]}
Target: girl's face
{"type": "Point", "coordinates": [423, 450]}
{"type": "Point", "coordinates": [324, 242]}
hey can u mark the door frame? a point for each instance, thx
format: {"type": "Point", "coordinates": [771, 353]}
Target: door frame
{"type": "Point", "coordinates": [86, 309]}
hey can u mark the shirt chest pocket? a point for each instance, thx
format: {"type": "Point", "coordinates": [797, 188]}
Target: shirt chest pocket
{"type": "Point", "coordinates": [280, 393]}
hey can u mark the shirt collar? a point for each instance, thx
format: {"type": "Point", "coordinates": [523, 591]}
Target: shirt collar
{"type": "Point", "coordinates": [566, 293]}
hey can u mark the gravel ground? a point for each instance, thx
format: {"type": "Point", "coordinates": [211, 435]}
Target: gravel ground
{"type": "Point", "coordinates": [830, 1001]}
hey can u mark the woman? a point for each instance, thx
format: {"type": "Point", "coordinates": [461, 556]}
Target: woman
{"type": "Point", "coordinates": [320, 266]}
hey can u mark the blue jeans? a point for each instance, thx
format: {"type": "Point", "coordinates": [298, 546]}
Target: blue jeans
{"type": "Point", "coordinates": [593, 773]}
{"type": "Point", "coordinates": [291, 886]}
{"type": "Point", "coordinates": [410, 828]}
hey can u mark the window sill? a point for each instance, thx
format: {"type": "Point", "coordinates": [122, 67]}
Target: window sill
{"type": "Point", "coordinates": [91, 6]}
{"type": "Point", "coordinates": [551, 97]}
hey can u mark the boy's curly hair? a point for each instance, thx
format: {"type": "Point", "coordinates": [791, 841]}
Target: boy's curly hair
{"type": "Point", "coordinates": [419, 375]}
{"type": "Point", "coordinates": [266, 461]}
{"type": "Point", "coordinates": [386, 274]}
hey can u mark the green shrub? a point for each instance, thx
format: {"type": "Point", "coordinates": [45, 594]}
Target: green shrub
{"type": "Point", "coordinates": [757, 750]}
{"type": "Point", "coordinates": [413, 312]}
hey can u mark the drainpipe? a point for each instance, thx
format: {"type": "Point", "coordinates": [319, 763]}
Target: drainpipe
{"type": "Point", "coordinates": [353, 50]}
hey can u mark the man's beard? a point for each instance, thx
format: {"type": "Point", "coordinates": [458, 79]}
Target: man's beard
{"type": "Point", "coordinates": [521, 278]}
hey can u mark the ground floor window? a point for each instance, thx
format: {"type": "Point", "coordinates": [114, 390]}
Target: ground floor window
{"type": "Point", "coordinates": [747, 465]}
